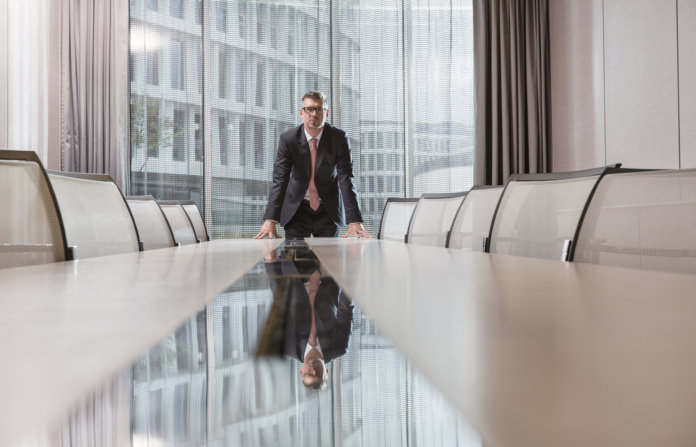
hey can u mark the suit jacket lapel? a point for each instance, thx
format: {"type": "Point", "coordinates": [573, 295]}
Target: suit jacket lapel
{"type": "Point", "coordinates": [305, 154]}
{"type": "Point", "coordinates": [324, 144]}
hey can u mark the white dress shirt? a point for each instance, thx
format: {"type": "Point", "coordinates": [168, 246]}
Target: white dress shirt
{"type": "Point", "coordinates": [309, 347]}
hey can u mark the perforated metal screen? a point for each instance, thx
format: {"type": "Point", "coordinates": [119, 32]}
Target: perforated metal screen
{"type": "Point", "coordinates": [432, 220]}
{"type": "Point", "coordinates": [96, 217]}
{"type": "Point", "coordinates": [397, 216]}
{"type": "Point", "coordinates": [180, 224]}
{"type": "Point", "coordinates": [642, 220]}
{"type": "Point", "coordinates": [535, 217]}
{"type": "Point", "coordinates": [29, 225]}
{"type": "Point", "coordinates": [153, 228]}
{"type": "Point", "coordinates": [473, 222]}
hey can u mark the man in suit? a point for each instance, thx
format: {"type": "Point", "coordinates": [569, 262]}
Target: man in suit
{"type": "Point", "coordinates": [313, 191]}
{"type": "Point", "coordinates": [319, 318]}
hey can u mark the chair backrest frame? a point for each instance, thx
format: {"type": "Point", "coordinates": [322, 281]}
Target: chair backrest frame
{"type": "Point", "coordinates": [178, 203]}
{"type": "Point", "coordinates": [32, 157]}
{"type": "Point", "coordinates": [447, 195]}
{"type": "Point", "coordinates": [599, 172]}
{"type": "Point", "coordinates": [102, 178]}
{"type": "Point", "coordinates": [394, 199]}
{"type": "Point", "coordinates": [473, 188]}
{"type": "Point", "coordinates": [614, 169]}
{"type": "Point", "coordinates": [193, 202]}
{"type": "Point", "coordinates": [152, 199]}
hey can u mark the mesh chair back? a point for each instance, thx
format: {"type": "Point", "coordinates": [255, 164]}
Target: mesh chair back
{"type": "Point", "coordinates": [395, 219]}
{"type": "Point", "coordinates": [179, 222]}
{"type": "Point", "coordinates": [432, 219]}
{"type": "Point", "coordinates": [642, 220]}
{"type": "Point", "coordinates": [95, 214]}
{"type": "Point", "coordinates": [536, 216]}
{"type": "Point", "coordinates": [31, 230]}
{"type": "Point", "coordinates": [153, 227]}
{"type": "Point", "coordinates": [473, 222]}
{"type": "Point", "coordinates": [194, 215]}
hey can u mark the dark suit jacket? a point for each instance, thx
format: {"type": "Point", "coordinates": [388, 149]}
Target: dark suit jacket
{"type": "Point", "coordinates": [333, 176]}
{"type": "Point", "coordinates": [333, 311]}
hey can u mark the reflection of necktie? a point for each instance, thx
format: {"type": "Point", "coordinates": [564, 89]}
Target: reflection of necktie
{"type": "Point", "coordinates": [313, 194]}
{"type": "Point", "coordinates": [313, 287]}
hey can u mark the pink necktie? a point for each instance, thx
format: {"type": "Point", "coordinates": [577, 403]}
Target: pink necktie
{"type": "Point", "coordinates": [313, 288]}
{"type": "Point", "coordinates": [313, 194]}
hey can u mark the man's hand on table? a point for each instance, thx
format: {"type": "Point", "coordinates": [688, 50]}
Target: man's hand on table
{"type": "Point", "coordinates": [358, 231]}
{"type": "Point", "coordinates": [268, 229]}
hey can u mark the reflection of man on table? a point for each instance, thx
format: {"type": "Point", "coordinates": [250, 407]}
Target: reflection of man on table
{"type": "Point", "coordinates": [319, 316]}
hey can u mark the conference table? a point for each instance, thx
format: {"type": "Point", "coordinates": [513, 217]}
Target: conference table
{"type": "Point", "coordinates": [530, 352]}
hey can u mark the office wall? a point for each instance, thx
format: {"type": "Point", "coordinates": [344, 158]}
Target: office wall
{"type": "Point", "coordinates": [623, 76]}
{"type": "Point", "coordinates": [30, 77]}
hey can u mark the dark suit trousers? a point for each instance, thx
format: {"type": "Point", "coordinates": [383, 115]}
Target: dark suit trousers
{"type": "Point", "coordinates": [306, 222]}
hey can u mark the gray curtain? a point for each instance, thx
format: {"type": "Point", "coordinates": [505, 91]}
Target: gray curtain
{"type": "Point", "coordinates": [95, 86]}
{"type": "Point", "coordinates": [513, 89]}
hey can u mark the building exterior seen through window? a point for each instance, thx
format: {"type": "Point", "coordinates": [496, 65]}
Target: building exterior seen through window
{"type": "Point", "coordinates": [399, 82]}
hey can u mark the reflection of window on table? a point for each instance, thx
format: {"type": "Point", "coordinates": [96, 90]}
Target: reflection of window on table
{"type": "Point", "coordinates": [181, 419]}
{"type": "Point", "coordinates": [200, 336]}
{"type": "Point", "coordinates": [226, 336]}
{"type": "Point", "coordinates": [183, 351]}
{"type": "Point", "coordinates": [155, 416]}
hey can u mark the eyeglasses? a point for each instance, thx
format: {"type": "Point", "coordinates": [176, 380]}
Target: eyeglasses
{"type": "Point", "coordinates": [313, 110]}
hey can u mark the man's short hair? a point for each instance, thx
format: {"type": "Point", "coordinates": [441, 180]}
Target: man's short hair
{"type": "Point", "coordinates": [313, 94]}
{"type": "Point", "coordinates": [318, 385]}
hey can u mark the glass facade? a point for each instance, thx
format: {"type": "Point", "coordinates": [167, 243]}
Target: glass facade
{"type": "Point", "coordinates": [215, 83]}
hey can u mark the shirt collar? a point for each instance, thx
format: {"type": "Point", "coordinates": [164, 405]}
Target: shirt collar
{"type": "Point", "coordinates": [309, 348]}
{"type": "Point", "coordinates": [318, 137]}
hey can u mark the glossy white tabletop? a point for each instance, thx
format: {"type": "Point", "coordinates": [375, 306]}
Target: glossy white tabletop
{"type": "Point", "coordinates": [536, 353]}
{"type": "Point", "coordinates": [66, 327]}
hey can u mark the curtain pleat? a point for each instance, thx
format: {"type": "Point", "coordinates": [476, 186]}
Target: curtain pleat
{"type": "Point", "coordinates": [95, 86]}
{"type": "Point", "coordinates": [512, 89]}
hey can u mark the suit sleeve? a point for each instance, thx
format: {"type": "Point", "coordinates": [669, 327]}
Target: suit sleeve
{"type": "Point", "coordinates": [281, 178]}
{"type": "Point", "coordinates": [344, 323]}
{"type": "Point", "coordinates": [344, 167]}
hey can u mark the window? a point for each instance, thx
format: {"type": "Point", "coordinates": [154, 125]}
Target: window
{"type": "Point", "coordinates": [222, 75]}
{"type": "Point", "coordinates": [179, 130]}
{"type": "Point", "coordinates": [239, 79]}
{"type": "Point", "coordinates": [199, 66]}
{"type": "Point", "coordinates": [242, 144]}
{"type": "Point", "coordinates": [221, 16]}
{"type": "Point", "coordinates": [241, 11]}
{"type": "Point", "coordinates": [274, 88]}
{"type": "Point", "coordinates": [199, 11]}
{"type": "Point", "coordinates": [153, 129]}
{"type": "Point", "coordinates": [176, 8]}
{"type": "Point", "coordinates": [223, 129]}
{"type": "Point", "coordinates": [258, 145]}
{"type": "Point", "coordinates": [260, 59]}
{"type": "Point", "coordinates": [177, 65]}
{"type": "Point", "coordinates": [198, 136]}
{"type": "Point", "coordinates": [262, 19]}
{"type": "Point", "coordinates": [153, 67]}
{"type": "Point", "coordinates": [260, 81]}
